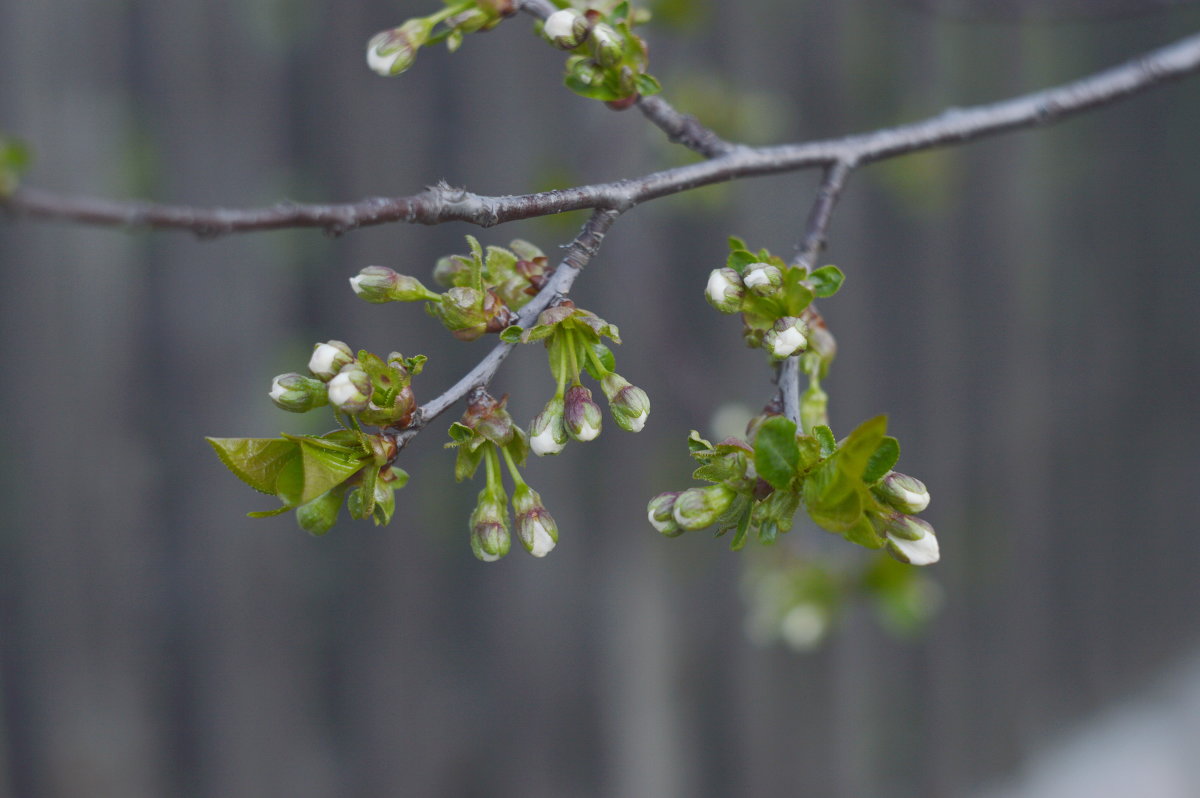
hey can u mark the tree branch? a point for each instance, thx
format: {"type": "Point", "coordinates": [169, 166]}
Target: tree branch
{"type": "Point", "coordinates": [442, 204]}
{"type": "Point", "coordinates": [579, 252]}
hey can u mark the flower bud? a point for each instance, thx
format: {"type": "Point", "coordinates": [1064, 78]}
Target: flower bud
{"type": "Point", "coordinates": [725, 290]}
{"type": "Point", "coordinates": [297, 393]}
{"type": "Point", "coordinates": [909, 539]}
{"type": "Point", "coordinates": [660, 512]}
{"type": "Point", "coordinates": [381, 284]}
{"type": "Point", "coordinates": [329, 358]}
{"type": "Point", "coordinates": [581, 414]}
{"type": "Point", "coordinates": [906, 494]}
{"type": "Point", "coordinates": [762, 279]}
{"type": "Point", "coordinates": [461, 310]}
{"type": "Point", "coordinates": [547, 431]}
{"type": "Point", "coordinates": [786, 338]}
{"type": "Point", "coordinates": [697, 508]}
{"type": "Point", "coordinates": [489, 527]}
{"type": "Point", "coordinates": [606, 45]}
{"type": "Point", "coordinates": [350, 390]}
{"type": "Point", "coordinates": [566, 28]}
{"type": "Point", "coordinates": [628, 403]}
{"type": "Point", "coordinates": [391, 52]}
{"type": "Point", "coordinates": [814, 404]}
{"type": "Point", "coordinates": [535, 526]}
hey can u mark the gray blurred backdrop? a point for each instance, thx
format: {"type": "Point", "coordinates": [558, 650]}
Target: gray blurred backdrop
{"type": "Point", "coordinates": [1022, 307]}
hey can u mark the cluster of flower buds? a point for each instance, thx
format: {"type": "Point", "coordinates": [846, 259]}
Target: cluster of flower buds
{"type": "Point", "coordinates": [572, 338]}
{"type": "Point", "coordinates": [372, 390]}
{"type": "Point", "coordinates": [774, 300]}
{"type": "Point", "coordinates": [486, 434]}
{"type": "Point", "coordinates": [847, 487]}
{"type": "Point", "coordinates": [484, 289]}
{"type": "Point", "coordinates": [608, 60]}
{"type": "Point", "coordinates": [393, 51]}
{"type": "Point", "coordinates": [909, 539]}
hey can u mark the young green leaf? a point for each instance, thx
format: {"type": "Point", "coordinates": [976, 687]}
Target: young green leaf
{"type": "Point", "coordinates": [323, 469]}
{"type": "Point", "coordinates": [319, 515]}
{"type": "Point", "coordinates": [824, 435]}
{"type": "Point", "coordinates": [256, 461]}
{"type": "Point", "coordinates": [882, 460]}
{"type": "Point", "coordinates": [857, 448]}
{"type": "Point", "coordinates": [511, 334]}
{"type": "Point", "coordinates": [776, 453]}
{"type": "Point", "coordinates": [826, 280]}
{"type": "Point", "coordinates": [797, 295]}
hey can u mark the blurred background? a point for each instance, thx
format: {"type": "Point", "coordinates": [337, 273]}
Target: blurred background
{"type": "Point", "coordinates": [1022, 308]}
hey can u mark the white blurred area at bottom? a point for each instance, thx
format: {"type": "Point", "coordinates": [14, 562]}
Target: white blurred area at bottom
{"type": "Point", "coordinates": [1145, 746]}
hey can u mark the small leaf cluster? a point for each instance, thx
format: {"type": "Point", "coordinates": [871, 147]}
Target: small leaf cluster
{"type": "Point", "coordinates": [772, 297]}
{"type": "Point", "coordinates": [314, 474]}
{"type": "Point", "coordinates": [393, 51]}
{"type": "Point", "coordinates": [572, 337]}
{"type": "Point", "coordinates": [15, 158]}
{"type": "Point", "coordinates": [484, 288]}
{"type": "Point", "coordinates": [486, 434]}
{"type": "Point", "coordinates": [608, 61]}
{"type": "Point", "coordinates": [847, 487]}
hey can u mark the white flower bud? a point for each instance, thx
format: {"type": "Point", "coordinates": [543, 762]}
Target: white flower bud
{"type": "Point", "coordinates": [329, 358]}
{"type": "Point", "coordinates": [907, 494]}
{"type": "Point", "coordinates": [762, 278]}
{"type": "Point", "coordinates": [911, 540]}
{"type": "Point", "coordinates": [786, 338]}
{"type": "Point", "coordinates": [566, 28]}
{"type": "Point", "coordinates": [547, 432]}
{"type": "Point", "coordinates": [350, 390]}
{"type": "Point", "coordinates": [725, 290]}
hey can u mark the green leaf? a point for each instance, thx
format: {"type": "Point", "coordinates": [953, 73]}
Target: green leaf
{"type": "Point", "coordinates": [810, 451]}
{"type": "Point", "coordinates": [268, 513]}
{"type": "Point", "coordinates": [319, 515]}
{"type": "Point", "coordinates": [647, 85]}
{"type": "Point", "coordinates": [602, 352]}
{"type": "Point", "coordinates": [863, 533]}
{"type": "Point", "coordinates": [385, 508]}
{"type": "Point", "coordinates": [256, 461]}
{"type": "Point", "coordinates": [743, 527]}
{"type": "Point", "coordinates": [323, 469]}
{"type": "Point", "coordinates": [370, 477]}
{"type": "Point", "coordinates": [460, 434]}
{"type": "Point", "coordinates": [736, 243]}
{"type": "Point", "coordinates": [833, 497]}
{"type": "Point", "coordinates": [717, 469]}
{"type": "Point", "coordinates": [767, 533]}
{"type": "Point", "coordinates": [415, 364]}
{"type": "Point", "coordinates": [511, 334]}
{"type": "Point", "coordinates": [825, 435]}
{"type": "Point", "coordinates": [739, 259]}
{"type": "Point", "coordinates": [826, 280]}
{"type": "Point", "coordinates": [697, 444]}
{"type": "Point", "coordinates": [796, 295]}
{"type": "Point", "coordinates": [855, 451]}
{"type": "Point", "coordinates": [882, 460]}
{"type": "Point", "coordinates": [776, 453]}
{"type": "Point", "coordinates": [518, 447]}
{"type": "Point", "coordinates": [780, 507]}
{"type": "Point", "coordinates": [467, 462]}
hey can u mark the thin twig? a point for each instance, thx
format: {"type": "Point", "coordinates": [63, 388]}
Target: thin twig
{"type": "Point", "coordinates": [442, 203]}
{"type": "Point", "coordinates": [815, 232]}
{"type": "Point", "coordinates": [683, 128]}
{"type": "Point", "coordinates": [579, 253]}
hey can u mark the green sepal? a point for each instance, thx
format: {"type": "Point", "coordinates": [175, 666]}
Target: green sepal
{"type": "Point", "coordinates": [718, 469]}
{"type": "Point", "coordinates": [511, 334]}
{"type": "Point", "coordinates": [256, 461]}
{"type": "Point", "coordinates": [882, 460]}
{"type": "Point", "coordinates": [736, 243]}
{"type": "Point", "coordinates": [824, 436]}
{"type": "Point", "coordinates": [776, 454]}
{"type": "Point", "coordinates": [370, 478]}
{"type": "Point", "coordinates": [385, 507]}
{"type": "Point", "coordinates": [826, 280]}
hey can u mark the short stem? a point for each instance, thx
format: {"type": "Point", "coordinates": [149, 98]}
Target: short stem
{"type": "Point", "coordinates": [449, 11]}
{"type": "Point", "coordinates": [493, 468]}
{"type": "Point", "coordinates": [570, 335]}
{"type": "Point", "coordinates": [600, 367]}
{"type": "Point", "coordinates": [512, 469]}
